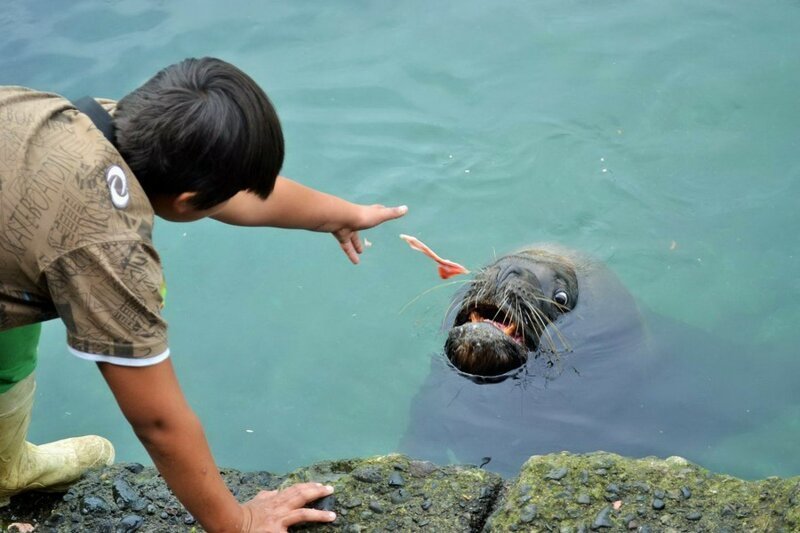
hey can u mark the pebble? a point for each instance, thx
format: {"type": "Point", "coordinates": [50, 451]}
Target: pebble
{"type": "Point", "coordinates": [95, 505]}
{"type": "Point", "coordinates": [376, 507]}
{"type": "Point", "coordinates": [686, 493]}
{"type": "Point", "coordinates": [134, 468]}
{"type": "Point", "coordinates": [367, 474]}
{"type": "Point", "coordinates": [324, 504]}
{"type": "Point", "coordinates": [603, 518]}
{"type": "Point", "coordinates": [605, 463]}
{"type": "Point", "coordinates": [658, 504]}
{"type": "Point", "coordinates": [557, 474]}
{"type": "Point", "coordinates": [584, 499]}
{"type": "Point", "coordinates": [422, 468]}
{"type": "Point", "coordinates": [189, 519]}
{"type": "Point", "coordinates": [396, 480]}
{"type": "Point", "coordinates": [426, 504]}
{"type": "Point", "coordinates": [528, 513]}
{"type": "Point", "coordinates": [400, 496]}
{"type": "Point", "coordinates": [694, 516]}
{"type": "Point", "coordinates": [350, 504]}
{"type": "Point", "coordinates": [126, 497]}
{"type": "Point", "coordinates": [132, 522]}
{"type": "Point", "coordinates": [54, 519]}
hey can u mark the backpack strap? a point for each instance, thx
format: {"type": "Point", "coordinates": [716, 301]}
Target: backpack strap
{"type": "Point", "coordinates": [102, 120]}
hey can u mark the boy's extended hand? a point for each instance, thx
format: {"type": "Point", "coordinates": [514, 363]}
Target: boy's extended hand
{"type": "Point", "coordinates": [292, 205]}
{"type": "Point", "coordinates": [368, 217]}
{"type": "Point", "coordinates": [274, 511]}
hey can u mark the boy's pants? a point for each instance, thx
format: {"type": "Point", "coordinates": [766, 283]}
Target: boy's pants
{"type": "Point", "coordinates": [18, 349]}
{"type": "Point", "coordinates": [24, 466]}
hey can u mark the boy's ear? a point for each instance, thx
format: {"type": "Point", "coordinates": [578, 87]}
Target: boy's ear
{"type": "Point", "coordinates": [182, 203]}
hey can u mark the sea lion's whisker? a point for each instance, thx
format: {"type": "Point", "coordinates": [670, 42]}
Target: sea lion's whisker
{"type": "Point", "coordinates": [435, 287]}
{"type": "Point", "coordinates": [545, 322]}
{"type": "Point", "coordinates": [558, 333]}
{"type": "Point", "coordinates": [564, 342]}
{"type": "Point", "coordinates": [502, 305]}
{"type": "Point", "coordinates": [534, 319]}
{"type": "Point", "coordinates": [537, 319]}
{"type": "Point", "coordinates": [521, 319]}
{"type": "Point", "coordinates": [521, 315]}
{"type": "Point", "coordinates": [450, 309]}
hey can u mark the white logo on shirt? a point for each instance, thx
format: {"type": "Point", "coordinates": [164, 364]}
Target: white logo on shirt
{"type": "Point", "coordinates": [118, 185]}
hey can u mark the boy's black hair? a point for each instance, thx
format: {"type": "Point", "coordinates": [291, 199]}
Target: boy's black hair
{"type": "Point", "coordinates": [203, 126]}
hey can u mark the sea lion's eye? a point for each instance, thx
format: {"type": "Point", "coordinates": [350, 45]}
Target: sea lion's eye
{"type": "Point", "coordinates": [561, 298]}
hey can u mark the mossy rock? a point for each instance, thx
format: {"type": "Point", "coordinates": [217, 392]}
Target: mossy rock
{"type": "Point", "coordinates": [395, 493]}
{"type": "Point", "coordinates": [606, 492]}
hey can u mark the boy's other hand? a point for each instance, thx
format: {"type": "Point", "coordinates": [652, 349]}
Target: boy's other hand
{"type": "Point", "coordinates": [274, 511]}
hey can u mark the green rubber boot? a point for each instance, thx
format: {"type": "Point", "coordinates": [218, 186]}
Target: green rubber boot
{"type": "Point", "coordinates": [49, 467]}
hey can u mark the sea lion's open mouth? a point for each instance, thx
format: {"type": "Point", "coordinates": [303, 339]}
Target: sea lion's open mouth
{"type": "Point", "coordinates": [504, 325]}
{"type": "Point", "coordinates": [499, 318]}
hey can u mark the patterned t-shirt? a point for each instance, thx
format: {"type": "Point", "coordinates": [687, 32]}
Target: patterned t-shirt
{"type": "Point", "coordinates": [75, 234]}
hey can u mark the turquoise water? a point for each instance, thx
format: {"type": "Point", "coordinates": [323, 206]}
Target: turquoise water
{"type": "Point", "coordinates": [660, 137]}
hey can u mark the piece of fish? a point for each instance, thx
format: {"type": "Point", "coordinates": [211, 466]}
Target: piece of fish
{"type": "Point", "coordinates": [447, 268]}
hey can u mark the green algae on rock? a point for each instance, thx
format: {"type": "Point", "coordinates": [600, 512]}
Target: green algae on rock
{"type": "Point", "coordinates": [395, 493]}
{"type": "Point", "coordinates": [602, 491]}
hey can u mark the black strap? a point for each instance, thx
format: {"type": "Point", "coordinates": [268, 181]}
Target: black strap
{"type": "Point", "coordinates": [89, 106]}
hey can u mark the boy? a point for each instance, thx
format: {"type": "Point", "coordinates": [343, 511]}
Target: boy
{"type": "Point", "coordinates": [200, 139]}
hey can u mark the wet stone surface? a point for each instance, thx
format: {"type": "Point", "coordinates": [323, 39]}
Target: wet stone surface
{"type": "Point", "coordinates": [557, 492]}
{"type": "Point", "coordinates": [389, 493]}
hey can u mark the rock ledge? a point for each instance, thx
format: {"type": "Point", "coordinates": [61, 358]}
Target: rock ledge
{"type": "Point", "coordinates": [557, 492]}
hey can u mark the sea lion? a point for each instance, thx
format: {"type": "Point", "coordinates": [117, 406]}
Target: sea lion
{"type": "Point", "coordinates": [547, 350]}
{"type": "Point", "coordinates": [501, 317]}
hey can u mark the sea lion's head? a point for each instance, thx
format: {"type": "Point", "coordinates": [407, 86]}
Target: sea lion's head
{"type": "Point", "coordinates": [499, 320]}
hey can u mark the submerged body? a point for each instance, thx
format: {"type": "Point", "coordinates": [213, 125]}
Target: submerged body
{"type": "Point", "coordinates": [592, 371]}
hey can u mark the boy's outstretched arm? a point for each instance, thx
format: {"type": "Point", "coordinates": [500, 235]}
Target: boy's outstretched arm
{"type": "Point", "coordinates": [292, 205]}
{"type": "Point", "coordinates": [151, 399]}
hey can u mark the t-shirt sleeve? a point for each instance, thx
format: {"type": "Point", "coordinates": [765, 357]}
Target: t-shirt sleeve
{"type": "Point", "coordinates": [109, 297]}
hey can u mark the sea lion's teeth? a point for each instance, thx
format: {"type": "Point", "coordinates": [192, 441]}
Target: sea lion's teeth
{"type": "Point", "coordinates": [475, 317]}
{"type": "Point", "coordinates": [510, 329]}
